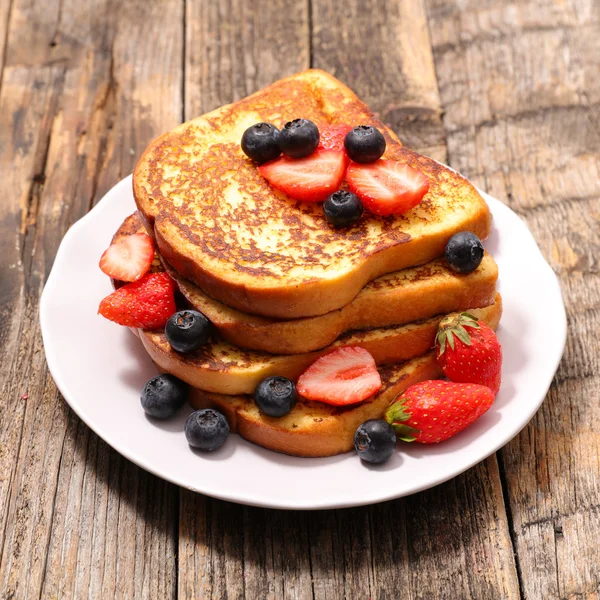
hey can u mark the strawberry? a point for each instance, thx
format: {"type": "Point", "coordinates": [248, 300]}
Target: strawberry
{"type": "Point", "coordinates": [469, 351]}
{"type": "Point", "coordinates": [387, 187]}
{"type": "Point", "coordinates": [331, 137]}
{"type": "Point", "coordinates": [147, 303]}
{"type": "Point", "coordinates": [433, 411]}
{"type": "Point", "coordinates": [129, 258]}
{"type": "Point", "coordinates": [310, 179]}
{"type": "Point", "coordinates": [344, 376]}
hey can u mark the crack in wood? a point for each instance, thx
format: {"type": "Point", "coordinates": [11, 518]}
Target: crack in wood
{"type": "Point", "coordinates": [496, 36]}
{"type": "Point", "coordinates": [541, 112]}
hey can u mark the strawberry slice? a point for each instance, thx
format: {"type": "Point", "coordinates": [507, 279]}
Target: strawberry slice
{"type": "Point", "coordinates": [129, 258]}
{"type": "Point", "coordinates": [310, 179]}
{"type": "Point", "coordinates": [344, 376]}
{"type": "Point", "coordinates": [147, 303]}
{"type": "Point", "coordinates": [331, 137]}
{"type": "Point", "coordinates": [387, 187]}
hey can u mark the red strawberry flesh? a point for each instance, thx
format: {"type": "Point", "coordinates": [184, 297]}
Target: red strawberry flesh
{"type": "Point", "coordinates": [129, 258]}
{"type": "Point", "coordinates": [344, 376]}
{"type": "Point", "coordinates": [309, 179]}
{"type": "Point", "coordinates": [387, 187]}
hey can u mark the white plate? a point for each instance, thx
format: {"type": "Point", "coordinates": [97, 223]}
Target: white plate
{"type": "Point", "coordinates": [100, 368]}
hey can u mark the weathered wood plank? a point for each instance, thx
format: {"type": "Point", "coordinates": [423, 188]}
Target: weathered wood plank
{"type": "Point", "coordinates": [226, 550]}
{"type": "Point", "coordinates": [76, 520]}
{"type": "Point", "coordinates": [522, 112]}
{"type": "Point", "coordinates": [382, 50]}
{"type": "Point", "coordinates": [236, 48]}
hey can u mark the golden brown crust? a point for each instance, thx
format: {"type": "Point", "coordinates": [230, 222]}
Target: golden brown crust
{"type": "Point", "coordinates": [400, 297]}
{"type": "Point", "coordinates": [281, 258]}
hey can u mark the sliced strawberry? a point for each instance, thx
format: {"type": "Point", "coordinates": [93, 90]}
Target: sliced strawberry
{"type": "Point", "coordinates": [387, 187]}
{"type": "Point", "coordinates": [331, 137]}
{"type": "Point", "coordinates": [310, 179]}
{"type": "Point", "coordinates": [129, 258]}
{"type": "Point", "coordinates": [344, 376]}
{"type": "Point", "coordinates": [147, 303]}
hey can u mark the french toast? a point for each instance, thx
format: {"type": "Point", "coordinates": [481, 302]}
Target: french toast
{"type": "Point", "coordinates": [392, 299]}
{"type": "Point", "coordinates": [227, 369]}
{"type": "Point", "coordinates": [314, 429]}
{"type": "Point", "coordinates": [223, 227]}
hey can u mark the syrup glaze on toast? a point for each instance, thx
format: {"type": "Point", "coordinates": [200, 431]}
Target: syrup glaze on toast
{"type": "Point", "coordinates": [222, 226]}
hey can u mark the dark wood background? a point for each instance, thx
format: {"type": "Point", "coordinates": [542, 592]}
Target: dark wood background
{"type": "Point", "coordinates": [506, 92]}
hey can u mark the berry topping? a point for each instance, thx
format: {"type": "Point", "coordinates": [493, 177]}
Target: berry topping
{"type": "Point", "coordinates": [261, 142]}
{"type": "Point", "coordinates": [309, 179]}
{"type": "Point", "coordinates": [206, 429]}
{"type": "Point", "coordinates": [147, 303]}
{"type": "Point", "coordinates": [464, 252]}
{"type": "Point", "coordinates": [332, 137]}
{"type": "Point", "coordinates": [129, 258]}
{"type": "Point", "coordinates": [469, 351]}
{"type": "Point", "coordinates": [164, 395]}
{"type": "Point", "coordinates": [187, 330]}
{"type": "Point", "coordinates": [433, 411]}
{"type": "Point", "coordinates": [276, 396]}
{"type": "Point", "coordinates": [364, 144]}
{"type": "Point", "coordinates": [344, 376]}
{"type": "Point", "coordinates": [375, 441]}
{"type": "Point", "coordinates": [387, 187]}
{"type": "Point", "coordinates": [342, 208]}
{"type": "Point", "coordinates": [299, 138]}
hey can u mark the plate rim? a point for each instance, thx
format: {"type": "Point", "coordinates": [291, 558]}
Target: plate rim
{"type": "Point", "coordinates": [258, 500]}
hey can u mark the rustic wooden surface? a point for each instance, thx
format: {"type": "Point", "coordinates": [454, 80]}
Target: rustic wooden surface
{"type": "Point", "coordinates": [507, 93]}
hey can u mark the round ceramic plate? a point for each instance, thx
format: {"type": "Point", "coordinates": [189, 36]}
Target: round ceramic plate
{"type": "Point", "coordinates": [100, 368]}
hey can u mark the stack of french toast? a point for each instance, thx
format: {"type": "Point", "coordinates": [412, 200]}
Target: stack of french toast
{"type": "Point", "coordinates": [282, 287]}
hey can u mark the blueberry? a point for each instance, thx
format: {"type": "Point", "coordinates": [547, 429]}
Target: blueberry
{"type": "Point", "coordinates": [187, 330]}
{"type": "Point", "coordinates": [342, 208]}
{"type": "Point", "coordinates": [276, 396]}
{"type": "Point", "coordinates": [464, 252]}
{"type": "Point", "coordinates": [299, 138]}
{"type": "Point", "coordinates": [164, 395]}
{"type": "Point", "coordinates": [261, 142]}
{"type": "Point", "coordinates": [206, 429]}
{"type": "Point", "coordinates": [375, 441]}
{"type": "Point", "coordinates": [364, 144]}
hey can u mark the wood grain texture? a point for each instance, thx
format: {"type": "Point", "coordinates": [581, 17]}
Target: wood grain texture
{"type": "Point", "coordinates": [381, 49]}
{"type": "Point", "coordinates": [521, 95]}
{"type": "Point", "coordinates": [507, 92]}
{"type": "Point", "coordinates": [76, 520]}
{"type": "Point", "coordinates": [236, 48]}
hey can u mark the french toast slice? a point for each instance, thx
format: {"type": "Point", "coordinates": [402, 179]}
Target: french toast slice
{"type": "Point", "coordinates": [223, 227]}
{"type": "Point", "coordinates": [226, 369]}
{"type": "Point", "coordinates": [314, 429]}
{"type": "Point", "coordinates": [392, 299]}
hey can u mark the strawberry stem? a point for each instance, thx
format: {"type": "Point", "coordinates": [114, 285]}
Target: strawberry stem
{"type": "Point", "coordinates": [396, 415]}
{"type": "Point", "coordinates": [455, 325]}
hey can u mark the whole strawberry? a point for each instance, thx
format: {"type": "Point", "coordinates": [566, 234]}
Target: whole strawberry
{"type": "Point", "coordinates": [433, 411]}
{"type": "Point", "coordinates": [468, 351]}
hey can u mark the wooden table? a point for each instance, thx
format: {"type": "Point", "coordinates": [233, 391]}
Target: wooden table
{"type": "Point", "coordinates": [507, 93]}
